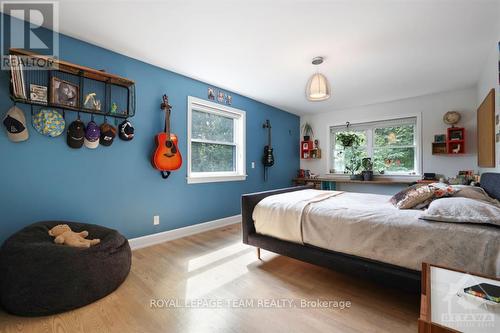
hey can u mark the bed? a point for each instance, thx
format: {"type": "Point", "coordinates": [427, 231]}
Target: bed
{"type": "Point", "coordinates": [364, 235]}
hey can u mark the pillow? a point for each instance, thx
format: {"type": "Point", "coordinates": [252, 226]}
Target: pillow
{"type": "Point", "coordinates": [412, 196]}
{"type": "Point", "coordinates": [474, 192]}
{"type": "Point", "coordinates": [462, 210]}
{"type": "Point", "coordinates": [420, 196]}
{"type": "Point", "coordinates": [442, 190]}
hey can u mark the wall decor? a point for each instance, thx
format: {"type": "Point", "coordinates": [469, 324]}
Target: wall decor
{"type": "Point", "coordinates": [219, 96]}
{"type": "Point", "coordinates": [91, 102]}
{"type": "Point", "coordinates": [211, 94]}
{"type": "Point", "coordinates": [486, 132]}
{"type": "Point", "coordinates": [440, 138]}
{"type": "Point", "coordinates": [38, 93]}
{"type": "Point", "coordinates": [451, 118]}
{"type": "Point", "coordinates": [64, 92]}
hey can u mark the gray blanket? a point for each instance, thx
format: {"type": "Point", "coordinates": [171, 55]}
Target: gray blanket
{"type": "Point", "coordinates": [369, 226]}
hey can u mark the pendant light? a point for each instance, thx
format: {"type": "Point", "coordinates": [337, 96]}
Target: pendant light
{"type": "Point", "coordinates": [318, 88]}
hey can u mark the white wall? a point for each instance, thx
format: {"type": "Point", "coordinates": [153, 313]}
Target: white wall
{"type": "Point", "coordinates": [430, 107]}
{"type": "Point", "coordinates": [488, 80]}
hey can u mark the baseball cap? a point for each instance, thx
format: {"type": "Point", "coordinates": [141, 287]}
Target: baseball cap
{"type": "Point", "coordinates": [76, 134]}
{"type": "Point", "coordinates": [92, 134]}
{"type": "Point", "coordinates": [15, 125]}
{"type": "Point", "coordinates": [49, 122]}
{"type": "Point", "coordinates": [108, 134]}
{"type": "Point", "coordinates": [126, 130]}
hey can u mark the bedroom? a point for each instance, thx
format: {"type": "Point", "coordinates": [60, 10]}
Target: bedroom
{"type": "Point", "coordinates": [148, 124]}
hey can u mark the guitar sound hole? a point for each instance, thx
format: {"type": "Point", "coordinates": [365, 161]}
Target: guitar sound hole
{"type": "Point", "coordinates": [168, 144]}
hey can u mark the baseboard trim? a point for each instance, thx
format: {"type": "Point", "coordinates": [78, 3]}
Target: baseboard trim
{"type": "Point", "coordinates": [153, 239]}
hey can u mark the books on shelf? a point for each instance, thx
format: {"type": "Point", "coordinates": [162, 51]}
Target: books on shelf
{"type": "Point", "coordinates": [17, 77]}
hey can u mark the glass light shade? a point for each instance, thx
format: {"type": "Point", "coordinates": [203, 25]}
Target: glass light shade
{"type": "Point", "coordinates": [318, 88]}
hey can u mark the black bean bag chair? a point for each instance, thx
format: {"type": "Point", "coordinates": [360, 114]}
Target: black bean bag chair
{"type": "Point", "coordinates": [39, 277]}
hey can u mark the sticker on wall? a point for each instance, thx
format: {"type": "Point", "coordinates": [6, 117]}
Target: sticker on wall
{"type": "Point", "coordinates": [219, 95]}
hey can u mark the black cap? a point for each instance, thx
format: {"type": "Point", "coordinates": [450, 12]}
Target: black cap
{"type": "Point", "coordinates": [126, 130]}
{"type": "Point", "coordinates": [76, 134]}
{"type": "Point", "coordinates": [12, 125]}
{"type": "Point", "coordinates": [108, 134]}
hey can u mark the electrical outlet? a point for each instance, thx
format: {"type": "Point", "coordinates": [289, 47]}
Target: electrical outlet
{"type": "Point", "coordinates": [156, 219]}
{"type": "Point", "coordinates": [253, 165]}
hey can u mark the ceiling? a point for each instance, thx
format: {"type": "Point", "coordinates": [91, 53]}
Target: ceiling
{"type": "Point", "coordinates": [374, 51]}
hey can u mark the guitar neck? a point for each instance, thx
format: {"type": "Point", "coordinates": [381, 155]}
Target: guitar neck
{"type": "Point", "coordinates": [167, 123]}
{"type": "Point", "coordinates": [269, 137]}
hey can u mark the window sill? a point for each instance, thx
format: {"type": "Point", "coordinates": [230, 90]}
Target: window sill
{"type": "Point", "coordinates": [378, 176]}
{"type": "Point", "coordinates": [215, 179]}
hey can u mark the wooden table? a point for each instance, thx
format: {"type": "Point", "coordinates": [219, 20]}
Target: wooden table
{"type": "Point", "coordinates": [330, 183]}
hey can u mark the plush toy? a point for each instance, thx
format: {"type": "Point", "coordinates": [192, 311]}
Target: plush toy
{"type": "Point", "coordinates": [64, 235]}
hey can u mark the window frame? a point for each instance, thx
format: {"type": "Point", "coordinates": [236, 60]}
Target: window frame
{"type": "Point", "coordinates": [239, 117]}
{"type": "Point", "coordinates": [370, 126]}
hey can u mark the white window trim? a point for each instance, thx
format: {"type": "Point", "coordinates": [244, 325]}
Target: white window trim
{"type": "Point", "coordinates": [418, 142]}
{"type": "Point", "coordinates": [239, 142]}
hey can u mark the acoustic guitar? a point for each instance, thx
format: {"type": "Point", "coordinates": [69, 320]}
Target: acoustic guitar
{"type": "Point", "coordinates": [167, 156]}
{"type": "Point", "coordinates": [268, 158]}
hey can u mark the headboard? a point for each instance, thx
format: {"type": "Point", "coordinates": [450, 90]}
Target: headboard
{"type": "Point", "coordinates": [490, 182]}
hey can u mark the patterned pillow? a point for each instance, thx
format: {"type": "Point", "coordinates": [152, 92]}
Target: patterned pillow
{"type": "Point", "coordinates": [413, 197]}
{"type": "Point", "coordinates": [442, 190]}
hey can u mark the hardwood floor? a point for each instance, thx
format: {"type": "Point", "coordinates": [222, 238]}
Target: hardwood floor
{"type": "Point", "coordinates": [216, 267]}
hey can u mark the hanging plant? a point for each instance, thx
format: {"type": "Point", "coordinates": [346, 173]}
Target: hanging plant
{"type": "Point", "coordinates": [307, 131]}
{"type": "Point", "coordinates": [348, 139]}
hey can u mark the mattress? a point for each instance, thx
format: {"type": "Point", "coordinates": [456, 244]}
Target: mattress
{"type": "Point", "coordinates": [369, 226]}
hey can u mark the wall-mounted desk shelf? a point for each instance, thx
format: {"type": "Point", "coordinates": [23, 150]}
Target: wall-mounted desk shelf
{"type": "Point", "coordinates": [330, 183]}
{"type": "Point", "coordinates": [109, 88]}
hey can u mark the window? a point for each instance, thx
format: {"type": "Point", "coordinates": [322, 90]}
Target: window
{"type": "Point", "coordinates": [216, 142]}
{"type": "Point", "coordinates": [392, 146]}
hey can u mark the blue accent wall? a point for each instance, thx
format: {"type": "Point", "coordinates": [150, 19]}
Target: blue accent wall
{"type": "Point", "coordinates": [44, 179]}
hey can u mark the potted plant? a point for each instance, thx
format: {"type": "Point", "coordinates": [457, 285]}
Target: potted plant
{"type": "Point", "coordinates": [349, 141]}
{"type": "Point", "coordinates": [367, 165]}
{"type": "Point", "coordinates": [353, 166]}
{"type": "Point", "coordinates": [307, 131]}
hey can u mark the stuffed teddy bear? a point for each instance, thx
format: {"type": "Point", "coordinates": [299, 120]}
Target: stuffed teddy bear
{"type": "Point", "coordinates": [64, 235]}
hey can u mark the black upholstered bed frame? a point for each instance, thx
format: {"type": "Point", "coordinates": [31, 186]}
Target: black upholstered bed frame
{"type": "Point", "coordinates": [376, 271]}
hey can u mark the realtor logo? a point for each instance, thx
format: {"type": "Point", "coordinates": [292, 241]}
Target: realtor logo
{"type": "Point", "coordinates": [31, 26]}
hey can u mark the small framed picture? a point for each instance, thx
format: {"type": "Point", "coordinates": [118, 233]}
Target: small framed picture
{"type": "Point", "coordinates": [220, 96]}
{"type": "Point", "coordinates": [38, 93]}
{"type": "Point", "coordinates": [64, 92]}
{"type": "Point", "coordinates": [497, 119]}
{"type": "Point", "coordinates": [498, 137]}
{"type": "Point", "coordinates": [440, 138]}
{"type": "Point", "coordinates": [211, 94]}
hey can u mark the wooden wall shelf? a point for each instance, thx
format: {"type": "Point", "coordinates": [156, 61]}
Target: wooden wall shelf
{"type": "Point", "coordinates": [74, 69]}
{"type": "Point", "coordinates": [454, 144]}
{"type": "Point", "coordinates": [308, 151]}
{"type": "Point", "coordinates": [109, 88]}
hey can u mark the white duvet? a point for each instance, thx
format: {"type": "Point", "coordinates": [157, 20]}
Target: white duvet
{"type": "Point", "coordinates": [369, 226]}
